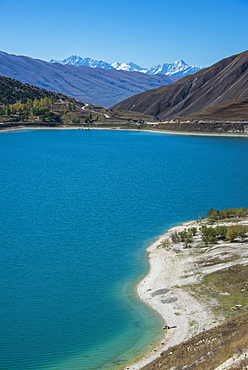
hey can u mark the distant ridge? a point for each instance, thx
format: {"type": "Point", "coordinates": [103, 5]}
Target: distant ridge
{"type": "Point", "coordinates": [98, 86]}
{"type": "Point", "coordinates": [76, 60]}
{"type": "Point", "coordinates": [224, 81]}
{"type": "Point", "coordinates": [177, 69]}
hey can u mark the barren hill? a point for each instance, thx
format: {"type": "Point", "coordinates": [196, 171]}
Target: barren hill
{"type": "Point", "coordinates": [230, 110]}
{"type": "Point", "coordinates": [224, 81]}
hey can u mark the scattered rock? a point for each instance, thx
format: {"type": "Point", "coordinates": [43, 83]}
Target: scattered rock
{"type": "Point", "coordinates": [169, 300]}
{"type": "Point", "coordinates": [160, 291]}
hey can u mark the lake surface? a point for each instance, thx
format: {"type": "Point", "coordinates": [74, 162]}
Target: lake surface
{"type": "Point", "coordinates": [78, 208]}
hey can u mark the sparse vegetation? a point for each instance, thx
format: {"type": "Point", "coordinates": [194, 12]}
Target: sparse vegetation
{"type": "Point", "coordinates": [175, 237]}
{"type": "Point", "coordinates": [209, 349]}
{"type": "Point", "coordinates": [211, 234]}
{"type": "Point", "coordinates": [229, 288]}
{"type": "Point", "coordinates": [224, 291]}
{"type": "Point", "coordinates": [216, 214]}
{"type": "Point", "coordinates": [187, 235]}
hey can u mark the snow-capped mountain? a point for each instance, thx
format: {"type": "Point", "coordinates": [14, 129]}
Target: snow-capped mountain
{"type": "Point", "coordinates": [76, 60]}
{"type": "Point", "coordinates": [130, 67]}
{"type": "Point", "coordinates": [177, 69]}
{"type": "Point", "coordinates": [102, 87]}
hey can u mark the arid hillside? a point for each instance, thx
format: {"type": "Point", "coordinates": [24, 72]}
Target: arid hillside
{"type": "Point", "coordinates": [224, 81]}
{"type": "Point", "coordinates": [230, 110]}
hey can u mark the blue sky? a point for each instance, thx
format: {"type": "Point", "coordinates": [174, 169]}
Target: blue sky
{"type": "Point", "coordinates": [141, 31]}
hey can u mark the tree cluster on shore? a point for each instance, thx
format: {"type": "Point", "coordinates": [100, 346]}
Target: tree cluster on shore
{"type": "Point", "coordinates": [210, 234]}
{"type": "Point", "coordinates": [213, 234]}
{"type": "Point", "coordinates": [216, 214]}
{"type": "Point", "coordinates": [37, 107]}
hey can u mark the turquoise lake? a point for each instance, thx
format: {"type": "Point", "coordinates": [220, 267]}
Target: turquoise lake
{"type": "Point", "coordinates": [78, 209]}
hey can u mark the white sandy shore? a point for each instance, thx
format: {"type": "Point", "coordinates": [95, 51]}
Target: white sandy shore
{"type": "Point", "coordinates": [166, 271]}
{"type": "Point", "coordinates": [164, 289]}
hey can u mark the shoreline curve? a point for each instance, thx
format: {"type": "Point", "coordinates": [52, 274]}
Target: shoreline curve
{"type": "Point", "coordinates": [162, 289]}
{"type": "Point", "coordinates": [167, 132]}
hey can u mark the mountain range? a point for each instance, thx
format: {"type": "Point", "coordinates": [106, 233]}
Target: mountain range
{"type": "Point", "coordinates": [104, 87]}
{"type": "Point", "coordinates": [219, 92]}
{"type": "Point", "coordinates": [212, 92]}
{"type": "Point", "coordinates": [177, 69]}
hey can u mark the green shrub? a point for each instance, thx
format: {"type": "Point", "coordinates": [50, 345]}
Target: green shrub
{"type": "Point", "coordinates": [209, 234]}
{"type": "Point", "coordinates": [221, 231]}
{"type": "Point", "coordinates": [236, 231]}
{"type": "Point", "coordinates": [185, 236]}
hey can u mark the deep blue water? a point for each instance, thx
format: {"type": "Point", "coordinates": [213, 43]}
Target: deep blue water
{"type": "Point", "coordinates": [78, 208]}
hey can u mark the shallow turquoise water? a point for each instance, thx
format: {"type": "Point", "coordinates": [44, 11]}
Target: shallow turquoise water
{"type": "Point", "coordinates": [78, 208]}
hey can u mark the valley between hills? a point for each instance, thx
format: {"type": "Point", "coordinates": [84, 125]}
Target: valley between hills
{"type": "Point", "coordinates": [213, 100]}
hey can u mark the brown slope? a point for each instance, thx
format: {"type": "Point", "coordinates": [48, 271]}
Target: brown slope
{"type": "Point", "coordinates": [236, 109]}
{"type": "Point", "coordinates": [225, 80]}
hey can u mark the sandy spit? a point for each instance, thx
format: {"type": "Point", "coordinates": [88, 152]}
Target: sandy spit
{"type": "Point", "coordinates": [172, 268]}
{"type": "Point", "coordinates": [161, 290]}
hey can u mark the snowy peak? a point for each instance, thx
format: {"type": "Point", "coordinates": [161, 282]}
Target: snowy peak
{"type": "Point", "coordinates": [130, 67]}
{"type": "Point", "coordinates": [180, 62]}
{"type": "Point", "coordinates": [177, 69]}
{"type": "Point", "coordinates": [76, 60]}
